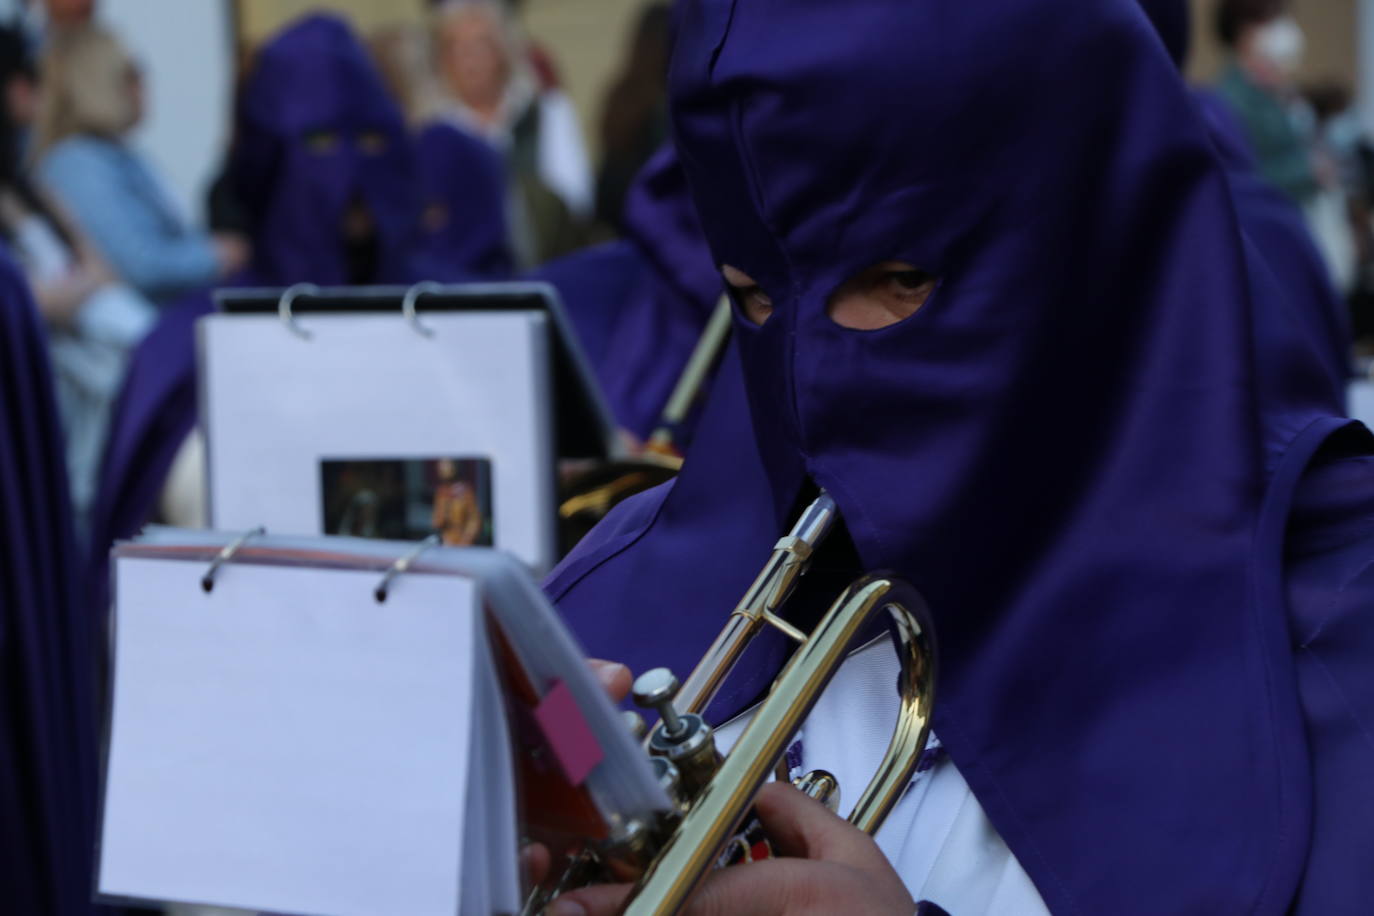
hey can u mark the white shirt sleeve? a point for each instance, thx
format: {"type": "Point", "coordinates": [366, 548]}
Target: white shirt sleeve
{"type": "Point", "coordinates": [563, 162]}
{"type": "Point", "coordinates": [938, 837]}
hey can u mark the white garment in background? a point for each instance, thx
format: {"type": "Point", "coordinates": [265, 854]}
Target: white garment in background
{"type": "Point", "coordinates": [937, 837]}
{"type": "Point", "coordinates": [1328, 220]}
{"type": "Point", "coordinates": [561, 161]}
{"type": "Point", "coordinates": [183, 500]}
{"type": "Point", "coordinates": [88, 359]}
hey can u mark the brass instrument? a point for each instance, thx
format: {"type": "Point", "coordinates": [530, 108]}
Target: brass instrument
{"type": "Point", "coordinates": [668, 860]}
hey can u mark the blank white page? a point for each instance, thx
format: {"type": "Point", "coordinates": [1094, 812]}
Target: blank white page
{"type": "Point", "coordinates": [286, 743]}
{"type": "Point", "coordinates": [369, 387]}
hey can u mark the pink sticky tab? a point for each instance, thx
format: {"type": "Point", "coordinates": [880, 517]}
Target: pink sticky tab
{"type": "Point", "coordinates": [568, 734]}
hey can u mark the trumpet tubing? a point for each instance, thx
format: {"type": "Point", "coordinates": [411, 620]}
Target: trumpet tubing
{"type": "Point", "coordinates": [694, 846]}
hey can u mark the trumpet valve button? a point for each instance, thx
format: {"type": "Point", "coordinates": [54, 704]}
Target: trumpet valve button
{"type": "Point", "coordinates": [655, 689]}
{"type": "Point", "coordinates": [822, 786]}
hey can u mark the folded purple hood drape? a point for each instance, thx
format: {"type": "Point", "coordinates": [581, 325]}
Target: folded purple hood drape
{"type": "Point", "coordinates": [641, 304]}
{"type": "Point", "coordinates": [48, 734]}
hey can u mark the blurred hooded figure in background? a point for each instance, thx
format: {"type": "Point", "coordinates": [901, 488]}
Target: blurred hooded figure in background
{"type": "Point", "coordinates": [327, 175]}
{"type": "Point", "coordinates": [466, 222]}
{"type": "Point", "coordinates": [332, 153]}
{"type": "Point", "coordinates": [1045, 410]}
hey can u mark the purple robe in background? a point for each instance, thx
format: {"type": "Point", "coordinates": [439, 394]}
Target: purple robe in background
{"type": "Point", "coordinates": [316, 133]}
{"type": "Point", "coordinates": [465, 195]}
{"type": "Point", "coordinates": [1268, 216]}
{"type": "Point", "coordinates": [1279, 230]}
{"type": "Point", "coordinates": [47, 639]}
{"type": "Point", "coordinates": [1142, 526]}
{"type": "Point", "coordinates": [640, 305]}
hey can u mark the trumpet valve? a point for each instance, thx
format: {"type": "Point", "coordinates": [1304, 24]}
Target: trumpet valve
{"type": "Point", "coordinates": [684, 739]}
{"type": "Point", "coordinates": [634, 724]}
{"type": "Point", "coordinates": [822, 786]}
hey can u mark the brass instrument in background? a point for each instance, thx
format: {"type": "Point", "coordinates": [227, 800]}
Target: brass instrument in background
{"type": "Point", "coordinates": [588, 496]}
{"type": "Point", "coordinates": [669, 859]}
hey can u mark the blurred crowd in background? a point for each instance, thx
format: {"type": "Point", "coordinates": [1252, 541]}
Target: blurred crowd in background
{"type": "Point", "coordinates": [471, 165]}
{"type": "Point", "coordinates": [449, 152]}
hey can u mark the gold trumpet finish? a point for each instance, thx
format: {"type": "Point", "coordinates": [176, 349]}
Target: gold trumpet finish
{"type": "Point", "coordinates": [760, 604]}
{"type": "Point", "coordinates": [692, 849]}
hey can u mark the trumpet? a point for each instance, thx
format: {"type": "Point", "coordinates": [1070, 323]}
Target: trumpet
{"type": "Point", "coordinates": [714, 794]}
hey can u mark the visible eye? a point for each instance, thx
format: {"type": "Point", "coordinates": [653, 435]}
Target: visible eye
{"type": "Point", "coordinates": [321, 142]}
{"type": "Point", "coordinates": [752, 300]}
{"type": "Point", "coordinates": [881, 295]}
{"type": "Point", "coordinates": [373, 142]}
{"type": "Point", "coordinates": [910, 283]}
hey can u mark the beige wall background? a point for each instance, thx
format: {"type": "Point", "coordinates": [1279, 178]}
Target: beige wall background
{"type": "Point", "coordinates": [586, 37]}
{"type": "Point", "coordinates": [1332, 30]}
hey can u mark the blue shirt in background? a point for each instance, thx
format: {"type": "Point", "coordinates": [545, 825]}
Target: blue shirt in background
{"type": "Point", "coordinates": [123, 209]}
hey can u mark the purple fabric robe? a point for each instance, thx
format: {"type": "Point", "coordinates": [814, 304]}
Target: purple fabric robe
{"type": "Point", "coordinates": [464, 186]}
{"type": "Point", "coordinates": [47, 638]}
{"type": "Point", "coordinates": [640, 305]}
{"type": "Point", "coordinates": [1118, 480]}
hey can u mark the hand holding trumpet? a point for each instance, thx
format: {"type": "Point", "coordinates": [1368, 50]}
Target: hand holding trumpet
{"type": "Point", "coordinates": [824, 864]}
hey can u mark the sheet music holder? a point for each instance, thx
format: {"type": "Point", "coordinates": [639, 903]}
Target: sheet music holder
{"type": "Point", "coordinates": [347, 412]}
{"type": "Point", "coordinates": [584, 424]}
{"type": "Point", "coordinates": [283, 740]}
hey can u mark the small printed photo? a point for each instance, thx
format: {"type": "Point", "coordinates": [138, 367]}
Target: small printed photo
{"type": "Point", "coordinates": [408, 499]}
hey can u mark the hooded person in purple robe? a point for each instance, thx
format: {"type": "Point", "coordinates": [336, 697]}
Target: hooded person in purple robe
{"type": "Point", "coordinates": [327, 174]}
{"type": "Point", "coordinates": [1070, 410]}
{"type": "Point", "coordinates": [47, 638]}
{"type": "Point", "coordinates": [641, 304]}
{"type": "Point", "coordinates": [1268, 216]}
{"type": "Point", "coordinates": [465, 222]}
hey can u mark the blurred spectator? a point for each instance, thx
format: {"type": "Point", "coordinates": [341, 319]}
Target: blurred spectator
{"type": "Point", "coordinates": [93, 321]}
{"type": "Point", "coordinates": [634, 118]}
{"type": "Point", "coordinates": [488, 88]}
{"type": "Point", "coordinates": [37, 18]}
{"type": "Point", "coordinates": [92, 99]}
{"type": "Point", "coordinates": [1266, 47]}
